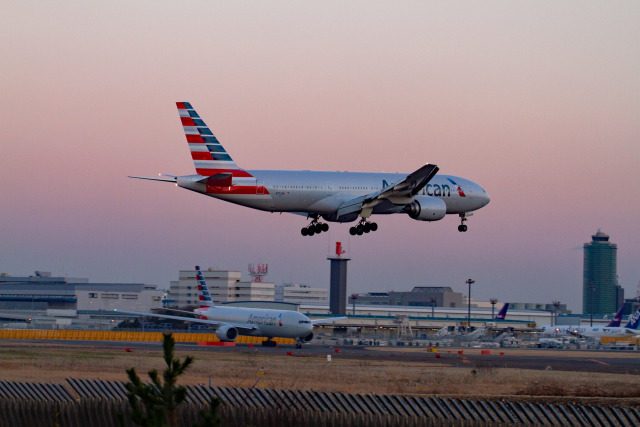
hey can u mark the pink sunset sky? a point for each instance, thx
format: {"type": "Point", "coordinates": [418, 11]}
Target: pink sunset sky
{"type": "Point", "coordinates": [539, 102]}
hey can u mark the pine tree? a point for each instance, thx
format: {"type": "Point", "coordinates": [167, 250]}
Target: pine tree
{"type": "Point", "coordinates": [156, 404]}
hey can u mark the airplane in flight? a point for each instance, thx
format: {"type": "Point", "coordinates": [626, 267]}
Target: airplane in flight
{"type": "Point", "coordinates": [230, 322]}
{"type": "Point", "coordinates": [613, 329]}
{"type": "Point", "coordinates": [330, 196]}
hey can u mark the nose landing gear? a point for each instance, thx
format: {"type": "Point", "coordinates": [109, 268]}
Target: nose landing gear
{"type": "Point", "coordinates": [363, 227]}
{"type": "Point", "coordinates": [463, 217]}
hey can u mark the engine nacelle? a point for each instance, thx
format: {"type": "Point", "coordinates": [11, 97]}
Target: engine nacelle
{"type": "Point", "coordinates": [308, 337]}
{"type": "Point", "coordinates": [227, 333]}
{"type": "Point", "coordinates": [426, 209]}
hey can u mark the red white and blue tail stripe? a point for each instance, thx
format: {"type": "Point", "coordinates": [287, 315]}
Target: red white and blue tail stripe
{"type": "Point", "coordinates": [203, 292]}
{"type": "Point", "coordinates": [209, 156]}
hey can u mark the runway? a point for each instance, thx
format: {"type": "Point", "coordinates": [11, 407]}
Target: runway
{"type": "Point", "coordinates": [535, 359]}
{"type": "Point", "coordinates": [617, 362]}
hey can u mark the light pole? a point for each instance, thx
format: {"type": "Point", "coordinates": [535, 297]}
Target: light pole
{"type": "Point", "coordinates": [493, 302]}
{"type": "Point", "coordinates": [354, 297]}
{"type": "Point", "coordinates": [433, 304]}
{"type": "Point", "coordinates": [469, 282]}
{"type": "Point", "coordinates": [556, 304]}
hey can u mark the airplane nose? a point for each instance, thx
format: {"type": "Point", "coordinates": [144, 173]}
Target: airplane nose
{"type": "Point", "coordinates": [485, 198]}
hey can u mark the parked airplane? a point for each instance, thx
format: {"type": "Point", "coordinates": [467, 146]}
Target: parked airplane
{"type": "Point", "coordinates": [503, 312]}
{"type": "Point", "coordinates": [229, 322]}
{"type": "Point", "coordinates": [332, 196]}
{"type": "Point", "coordinates": [629, 330]}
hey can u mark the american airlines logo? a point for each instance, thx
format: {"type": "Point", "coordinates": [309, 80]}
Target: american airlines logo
{"type": "Point", "coordinates": [435, 190]}
{"type": "Point", "coordinates": [264, 320]}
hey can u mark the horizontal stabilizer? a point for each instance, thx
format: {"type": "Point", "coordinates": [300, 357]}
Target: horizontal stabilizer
{"type": "Point", "coordinates": [172, 179]}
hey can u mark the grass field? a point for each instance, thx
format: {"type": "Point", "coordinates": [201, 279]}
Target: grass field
{"type": "Point", "coordinates": [32, 362]}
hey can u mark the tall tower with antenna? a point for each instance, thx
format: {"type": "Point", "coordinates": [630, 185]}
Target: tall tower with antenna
{"type": "Point", "coordinates": [257, 273]}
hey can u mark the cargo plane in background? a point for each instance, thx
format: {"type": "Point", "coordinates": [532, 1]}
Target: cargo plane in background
{"type": "Point", "coordinates": [230, 322]}
{"type": "Point", "coordinates": [330, 196]}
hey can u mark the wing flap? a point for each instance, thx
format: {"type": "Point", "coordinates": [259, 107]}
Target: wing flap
{"type": "Point", "coordinates": [332, 319]}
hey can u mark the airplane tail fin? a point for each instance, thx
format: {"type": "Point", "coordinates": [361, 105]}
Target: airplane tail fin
{"type": "Point", "coordinates": [209, 156]}
{"type": "Point", "coordinates": [503, 311]}
{"type": "Point", "coordinates": [617, 319]}
{"type": "Point", "coordinates": [203, 291]}
{"type": "Point", "coordinates": [634, 320]}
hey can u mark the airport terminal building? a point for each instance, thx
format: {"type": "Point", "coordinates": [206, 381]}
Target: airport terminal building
{"type": "Point", "coordinates": [42, 301]}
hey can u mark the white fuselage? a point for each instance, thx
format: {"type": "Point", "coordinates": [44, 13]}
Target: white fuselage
{"type": "Point", "coordinates": [268, 323]}
{"type": "Point", "coordinates": [590, 331]}
{"type": "Point", "coordinates": [322, 193]}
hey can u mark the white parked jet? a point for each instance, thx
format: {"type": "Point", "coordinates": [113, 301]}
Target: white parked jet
{"type": "Point", "coordinates": [332, 196]}
{"type": "Point", "coordinates": [629, 330]}
{"type": "Point", "coordinates": [229, 322]}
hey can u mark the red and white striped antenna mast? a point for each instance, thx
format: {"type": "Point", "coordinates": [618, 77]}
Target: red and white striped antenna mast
{"type": "Point", "coordinates": [258, 272]}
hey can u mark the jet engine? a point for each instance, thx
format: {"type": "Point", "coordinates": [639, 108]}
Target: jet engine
{"type": "Point", "coordinates": [227, 333]}
{"type": "Point", "coordinates": [308, 337]}
{"type": "Point", "coordinates": [426, 209]}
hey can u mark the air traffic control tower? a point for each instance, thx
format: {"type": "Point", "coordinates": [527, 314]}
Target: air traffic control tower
{"type": "Point", "coordinates": [338, 283]}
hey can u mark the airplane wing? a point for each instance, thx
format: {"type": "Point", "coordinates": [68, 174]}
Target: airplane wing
{"type": "Point", "coordinates": [333, 319]}
{"type": "Point", "coordinates": [401, 193]}
{"type": "Point", "coordinates": [217, 323]}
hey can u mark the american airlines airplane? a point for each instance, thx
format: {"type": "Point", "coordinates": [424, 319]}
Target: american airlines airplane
{"type": "Point", "coordinates": [230, 322]}
{"type": "Point", "coordinates": [331, 196]}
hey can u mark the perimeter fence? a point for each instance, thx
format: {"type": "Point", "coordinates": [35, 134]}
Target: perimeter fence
{"type": "Point", "coordinates": [98, 403]}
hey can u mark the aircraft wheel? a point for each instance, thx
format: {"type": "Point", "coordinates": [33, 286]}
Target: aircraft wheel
{"type": "Point", "coordinates": [464, 228]}
{"type": "Point", "coordinates": [325, 227]}
{"type": "Point", "coordinates": [311, 231]}
{"type": "Point", "coordinates": [304, 232]}
{"type": "Point", "coordinates": [353, 231]}
{"type": "Point", "coordinates": [366, 227]}
{"type": "Point", "coordinates": [374, 226]}
{"type": "Point", "coordinates": [317, 228]}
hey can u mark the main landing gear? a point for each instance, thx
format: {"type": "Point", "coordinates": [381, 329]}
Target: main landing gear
{"type": "Point", "coordinates": [463, 217]}
{"type": "Point", "coordinates": [314, 228]}
{"type": "Point", "coordinates": [363, 227]}
{"type": "Point", "coordinates": [269, 343]}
